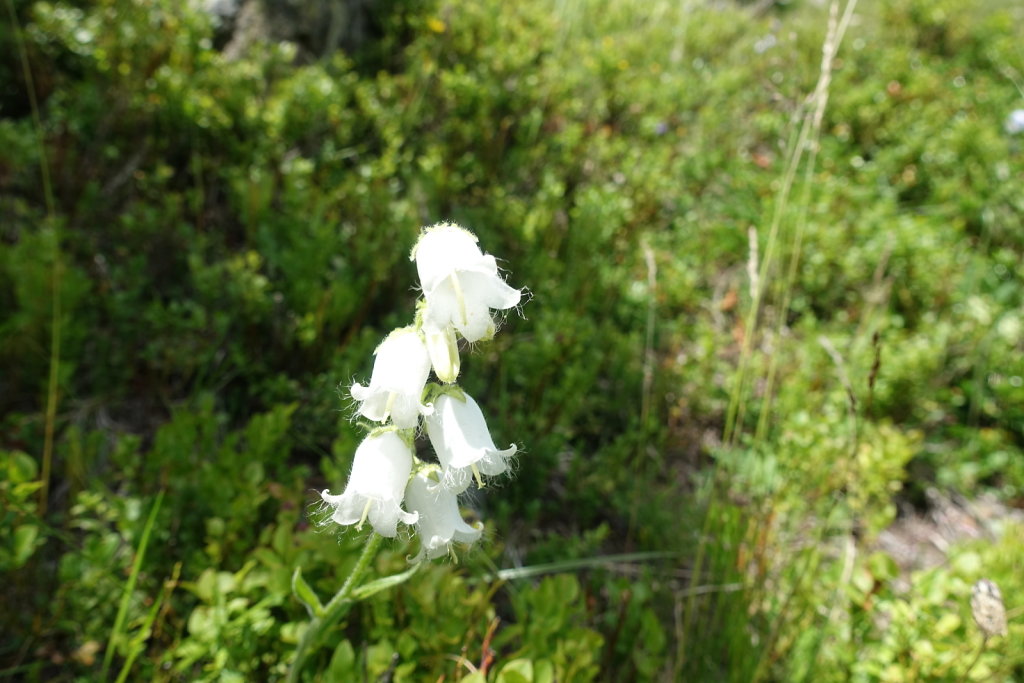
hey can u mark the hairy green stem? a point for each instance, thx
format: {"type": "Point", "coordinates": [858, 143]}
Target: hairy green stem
{"type": "Point", "coordinates": [335, 608]}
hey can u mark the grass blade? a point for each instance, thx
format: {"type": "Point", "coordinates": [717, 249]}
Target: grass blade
{"type": "Point", "coordinates": [122, 610]}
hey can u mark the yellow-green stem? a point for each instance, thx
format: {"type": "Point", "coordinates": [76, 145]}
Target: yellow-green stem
{"type": "Point", "coordinates": [44, 170]}
{"type": "Point", "coordinates": [335, 608]}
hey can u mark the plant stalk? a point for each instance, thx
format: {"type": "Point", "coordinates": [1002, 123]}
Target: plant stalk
{"type": "Point", "coordinates": [335, 608]}
{"type": "Point", "coordinates": [50, 416]}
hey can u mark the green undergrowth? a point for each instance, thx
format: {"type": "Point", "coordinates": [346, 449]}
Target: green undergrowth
{"type": "Point", "coordinates": [230, 235]}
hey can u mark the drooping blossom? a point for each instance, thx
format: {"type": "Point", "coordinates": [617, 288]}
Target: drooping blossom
{"type": "Point", "coordinates": [460, 283]}
{"type": "Point", "coordinates": [440, 523]}
{"type": "Point", "coordinates": [380, 473]}
{"type": "Point", "coordinates": [400, 370]}
{"type": "Point", "coordinates": [463, 444]}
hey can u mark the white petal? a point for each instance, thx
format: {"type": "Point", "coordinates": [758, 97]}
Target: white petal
{"type": "Point", "coordinates": [496, 462]}
{"type": "Point", "coordinates": [381, 466]}
{"type": "Point", "coordinates": [347, 507]}
{"type": "Point", "coordinates": [372, 404]}
{"type": "Point", "coordinates": [477, 324]}
{"type": "Point", "coordinates": [444, 249]}
{"type": "Point", "coordinates": [402, 363]}
{"type": "Point", "coordinates": [482, 293]}
{"type": "Point", "coordinates": [406, 411]}
{"type": "Point", "coordinates": [384, 517]}
{"type": "Point", "coordinates": [493, 291]}
{"type": "Point", "coordinates": [443, 306]}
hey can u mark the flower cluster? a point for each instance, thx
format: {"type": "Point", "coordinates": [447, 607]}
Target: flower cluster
{"type": "Point", "coordinates": [461, 286]}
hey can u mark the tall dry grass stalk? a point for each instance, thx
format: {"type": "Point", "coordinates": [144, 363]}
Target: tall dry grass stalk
{"type": "Point", "coordinates": [802, 152]}
{"type": "Point", "coordinates": [52, 387]}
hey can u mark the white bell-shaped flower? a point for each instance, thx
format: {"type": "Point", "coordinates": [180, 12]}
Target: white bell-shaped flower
{"type": "Point", "coordinates": [440, 523]}
{"type": "Point", "coordinates": [463, 444]}
{"type": "Point", "coordinates": [400, 371]}
{"type": "Point", "coordinates": [380, 473]}
{"type": "Point", "coordinates": [460, 283]}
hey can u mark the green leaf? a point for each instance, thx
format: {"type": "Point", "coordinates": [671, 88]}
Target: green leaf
{"type": "Point", "coordinates": [384, 583]}
{"type": "Point", "coordinates": [380, 658]}
{"type": "Point", "coordinates": [24, 543]}
{"type": "Point", "coordinates": [21, 467]}
{"type": "Point", "coordinates": [343, 662]}
{"type": "Point", "coordinates": [25, 490]}
{"type": "Point", "coordinates": [516, 671]}
{"type": "Point", "coordinates": [306, 595]}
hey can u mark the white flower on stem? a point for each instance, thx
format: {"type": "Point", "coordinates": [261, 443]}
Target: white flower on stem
{"type": "Point", "coordinates": [400, 372]}
{"type": "Point", "coordinates": [440, 523]}
{"type": "Point", "coordinates": [380, 473]}
{"type": "Point", "coordinates": [463, 444]}
{"type": "Point", "coordinates": [460, 283]}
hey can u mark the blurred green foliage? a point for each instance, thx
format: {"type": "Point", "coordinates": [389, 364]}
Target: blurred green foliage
{"type": "Point", "coordinates": [230, 241]}
{"type": "Point", "coordinates": [20, 533]}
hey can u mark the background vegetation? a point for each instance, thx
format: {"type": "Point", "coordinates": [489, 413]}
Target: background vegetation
{"type": "Point", "coordinates": [776, 308]}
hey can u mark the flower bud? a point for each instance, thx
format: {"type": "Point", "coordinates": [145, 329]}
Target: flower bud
{"type": "Point", "coordinates": [443, 351]}
{"type": "Point", "coordinates": [988, 609]}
